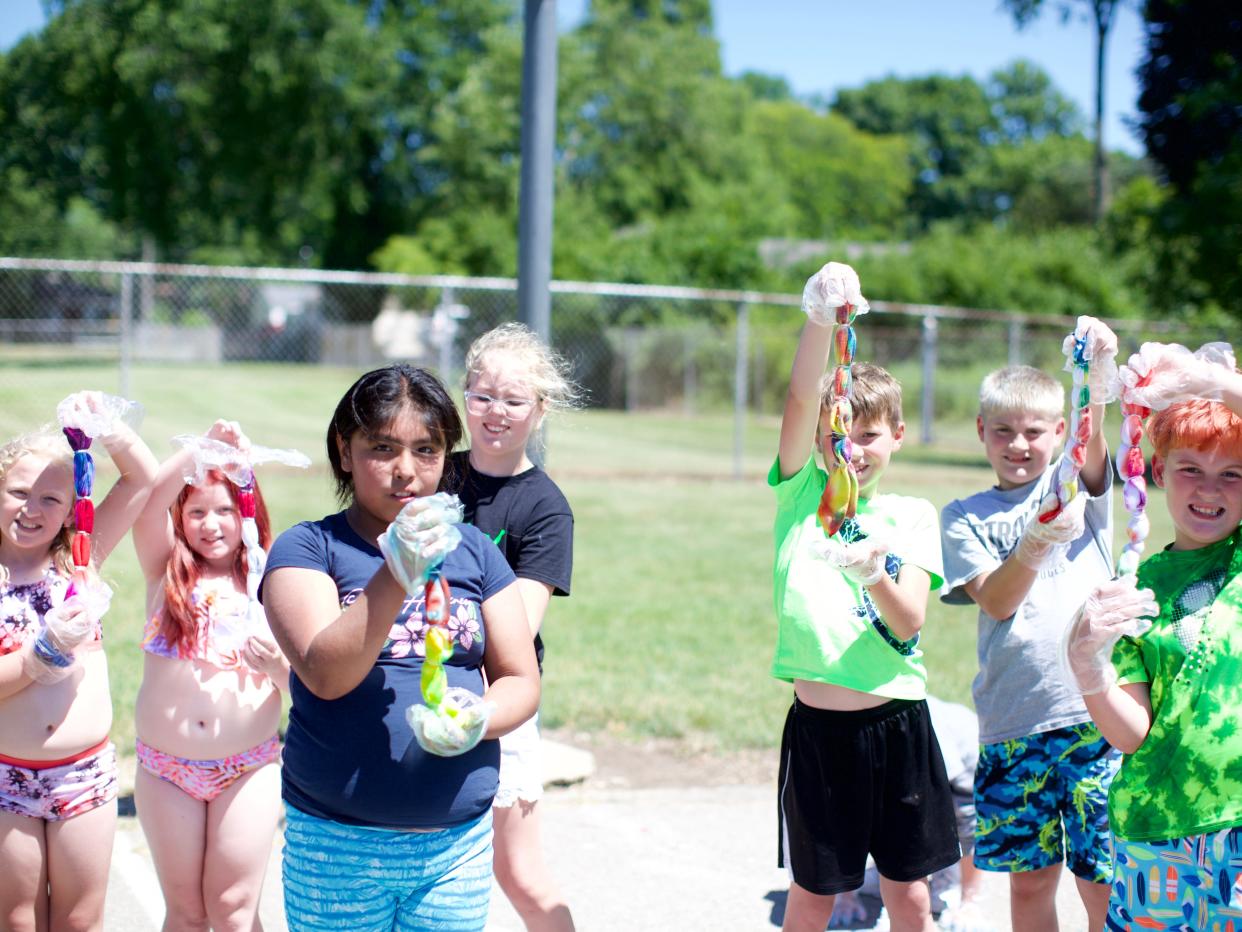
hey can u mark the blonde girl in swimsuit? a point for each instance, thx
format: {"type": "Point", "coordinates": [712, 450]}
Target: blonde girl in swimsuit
{"type": "Point", "coordinates": [57, 767]}
{"type": "Point", "coordinates": [208, 782]}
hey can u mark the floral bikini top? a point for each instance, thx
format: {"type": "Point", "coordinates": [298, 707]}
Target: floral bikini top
{"type": "Point", "coordinates": [22, 608]}
{"type": "Point", "coordinates": [222, 625]}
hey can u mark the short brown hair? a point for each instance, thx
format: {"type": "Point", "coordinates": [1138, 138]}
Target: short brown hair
{"type": "Point", "coordinates": [875, 395]}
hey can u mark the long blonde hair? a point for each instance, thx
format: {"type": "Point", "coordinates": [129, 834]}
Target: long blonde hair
{"type": "Point", "coordinates": [50, 443]}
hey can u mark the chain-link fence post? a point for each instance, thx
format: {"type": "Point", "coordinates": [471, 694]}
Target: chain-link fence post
{"type": "Point", "coordinates": [126, 330]}
{"type": "Point", "coordinates": [740, 382]}
{"type": "Point", "coordinates": [689, 374]}
{"type": "Point", "coordinates": [1015, 340]}
{"type": "Point", "coordinates": [630, 360]}
{"type": "Point", "coordinates": [930, 326]}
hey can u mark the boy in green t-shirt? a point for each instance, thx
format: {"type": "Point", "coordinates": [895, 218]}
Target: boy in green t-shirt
{"type": "Point", "coordinates": [861, 771]}
{"type": "Point", "coordinates": [1168, 693]}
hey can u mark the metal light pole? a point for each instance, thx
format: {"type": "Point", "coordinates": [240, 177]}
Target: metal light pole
{"type": "Point", "coordinates": [538, 145]}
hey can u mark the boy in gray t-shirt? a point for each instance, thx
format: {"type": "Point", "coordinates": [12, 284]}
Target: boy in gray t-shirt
{"type": "Point", "coordinates": [1042, 778]}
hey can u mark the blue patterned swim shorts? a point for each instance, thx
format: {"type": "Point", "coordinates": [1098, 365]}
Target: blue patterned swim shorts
{"type": "Point", "coordinates": [1042, 799]}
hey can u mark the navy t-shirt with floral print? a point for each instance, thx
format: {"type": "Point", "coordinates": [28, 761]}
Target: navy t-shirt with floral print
{"type": "Point", "coordinates": [354, 759]}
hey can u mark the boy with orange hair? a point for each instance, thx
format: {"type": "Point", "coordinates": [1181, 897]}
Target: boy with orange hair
{"type": "Point", "coordinates": [1167, 692]}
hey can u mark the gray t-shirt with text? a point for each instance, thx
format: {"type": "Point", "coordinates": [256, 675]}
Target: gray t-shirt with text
{"type": "Point", "coordinates": [1020, 690]}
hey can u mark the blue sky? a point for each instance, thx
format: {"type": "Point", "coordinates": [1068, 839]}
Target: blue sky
{"type": "Point", "coordinates": [823, 45]}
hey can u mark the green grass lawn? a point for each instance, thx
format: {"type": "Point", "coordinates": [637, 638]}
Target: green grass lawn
{"type": "Point", "coordinates": [669, 629]}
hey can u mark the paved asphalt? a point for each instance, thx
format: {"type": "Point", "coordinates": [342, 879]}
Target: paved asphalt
{"type": "Point", "coordinates": [680, 860]}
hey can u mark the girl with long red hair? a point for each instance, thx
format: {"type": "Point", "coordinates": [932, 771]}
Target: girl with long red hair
{"type": "Point", "coordinates": [208, 782]}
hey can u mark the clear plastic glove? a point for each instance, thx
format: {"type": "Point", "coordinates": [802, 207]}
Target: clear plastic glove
{"type": "Point", "coordinates": [420, 537]}
{"type": "Point", "coordinates": [1171, 373]}
{"type": "Point", "coordinates": [1100, 352]}
{"type": "Point", "coordinates": [456, 727]}
{"type": "Point", "coordinates": [847, 909]}
{"type": "Point", "coordinates": [1040, 542]}
{"type": "Point", "coordinates": [862, 561]}
{"type": "Point", "coordinates": [1117, 608]}
{"type": "Point", "coordinates": [831, 287]}
{"type": "Point", "coordinates": [97, 415]}
{"type": "Point", "coordinates": [65, 628]}
{"type": "Point", "coordinates": [227, 449]}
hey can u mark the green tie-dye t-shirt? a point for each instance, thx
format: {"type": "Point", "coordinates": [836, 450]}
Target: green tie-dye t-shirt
{"type": "Point", "coordinates": [1186, 777]}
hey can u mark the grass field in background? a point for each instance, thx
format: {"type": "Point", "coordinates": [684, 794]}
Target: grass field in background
{"type": "Point", "coordinates": [670, 627]}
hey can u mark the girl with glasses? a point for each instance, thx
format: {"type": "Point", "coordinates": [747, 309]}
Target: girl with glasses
{"type": "Point", "coordinates": [513, 380]}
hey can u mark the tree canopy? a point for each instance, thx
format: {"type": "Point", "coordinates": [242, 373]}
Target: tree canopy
{"type": "Point", "coordinates": [386, 134]}
{"type": "Point", "coordinates": [1191, 122]}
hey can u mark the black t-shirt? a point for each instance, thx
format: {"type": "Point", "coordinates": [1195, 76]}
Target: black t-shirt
{"type": "Point", "coordinates": [527, 517]}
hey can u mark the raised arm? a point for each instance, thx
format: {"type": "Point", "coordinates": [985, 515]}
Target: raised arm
{"type": "Point", "coordinates": [153, 531]}
{"type": "Point", "coordinates": [802, 405]}
{"type": "Point", "coordinates": [125, 500]}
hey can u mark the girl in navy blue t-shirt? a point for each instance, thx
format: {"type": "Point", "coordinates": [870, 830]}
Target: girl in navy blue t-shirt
{"type": "Point", "coordinates": [359, 790]}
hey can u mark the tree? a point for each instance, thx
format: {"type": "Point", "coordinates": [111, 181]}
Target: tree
{"type": "Point", "coordinates": [948, 120]}
{"type": "Point", "coordinates": [276, 128]}
{"type": "Point", "coordinates": [981, 152]}
{"type": "Point", "coordinates": [838, 180]}
{"type": "Point", "coordinates": [1191, 79]}
{"type": "Point", "coordinates": [766, 86]}
{"type": "Point", "coordinates": [1101, 11]}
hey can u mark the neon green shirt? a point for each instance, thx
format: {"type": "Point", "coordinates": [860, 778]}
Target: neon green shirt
{"type": "Point", "coordinates": [1186, 777]}
{"type": "Point", "coordinates": [829, 630]}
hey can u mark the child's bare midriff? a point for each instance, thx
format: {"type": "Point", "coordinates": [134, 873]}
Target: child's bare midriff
{"type": "Point", "coordinates": [192, 709]}
{"type": "Point", "coordinates": [57, 720]}
{"type": "Point", "coordinates": [835, 698]}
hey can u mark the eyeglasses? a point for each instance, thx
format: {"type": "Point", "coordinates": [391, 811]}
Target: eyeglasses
{"type": "Point", "coordinates": [516, 408]}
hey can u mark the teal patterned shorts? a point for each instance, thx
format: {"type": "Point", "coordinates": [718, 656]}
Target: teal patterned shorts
{"type": "Point", "coordinates": [1182, 884]}
{"type": "Point", "coordinates": [376, 880]}
{"type": "Point", "coordinates": [1043, 799]}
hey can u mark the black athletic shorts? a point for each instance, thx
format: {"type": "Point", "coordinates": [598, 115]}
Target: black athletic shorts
{"type": "Point", "coordinates": [853, 783]}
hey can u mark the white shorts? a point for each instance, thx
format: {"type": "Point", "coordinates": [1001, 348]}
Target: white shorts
{"type": "Point", "coordinates": [521, 765]}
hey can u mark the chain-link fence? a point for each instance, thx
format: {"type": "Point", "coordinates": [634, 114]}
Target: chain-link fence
{"type": "Point", "coordinates": [677, 350]}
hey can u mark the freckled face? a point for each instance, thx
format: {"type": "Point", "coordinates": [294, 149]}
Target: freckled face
{"type": "Point", "coordinates": [1203, 494]}
{"type": "Point", "coordinates": [36, 502]}
{"type": "Point", "coordinates": [212, 524]}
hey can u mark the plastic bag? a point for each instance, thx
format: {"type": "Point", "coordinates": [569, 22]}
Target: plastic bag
{"type": "Point", "coordinates": [834, 285]}
{"type": "Point", "coordinates": [1099, 352]}
{"type": "Point", "coordinates": [96, 414]}
{"type": "Point", "coordinates": [1163, 374]}
{"type": "Point", "coordinates": [456, 727]}
{"type": "Point", "coordinates": [420, 537]}
{"type": "Point", "coordinates": [237, 464]}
